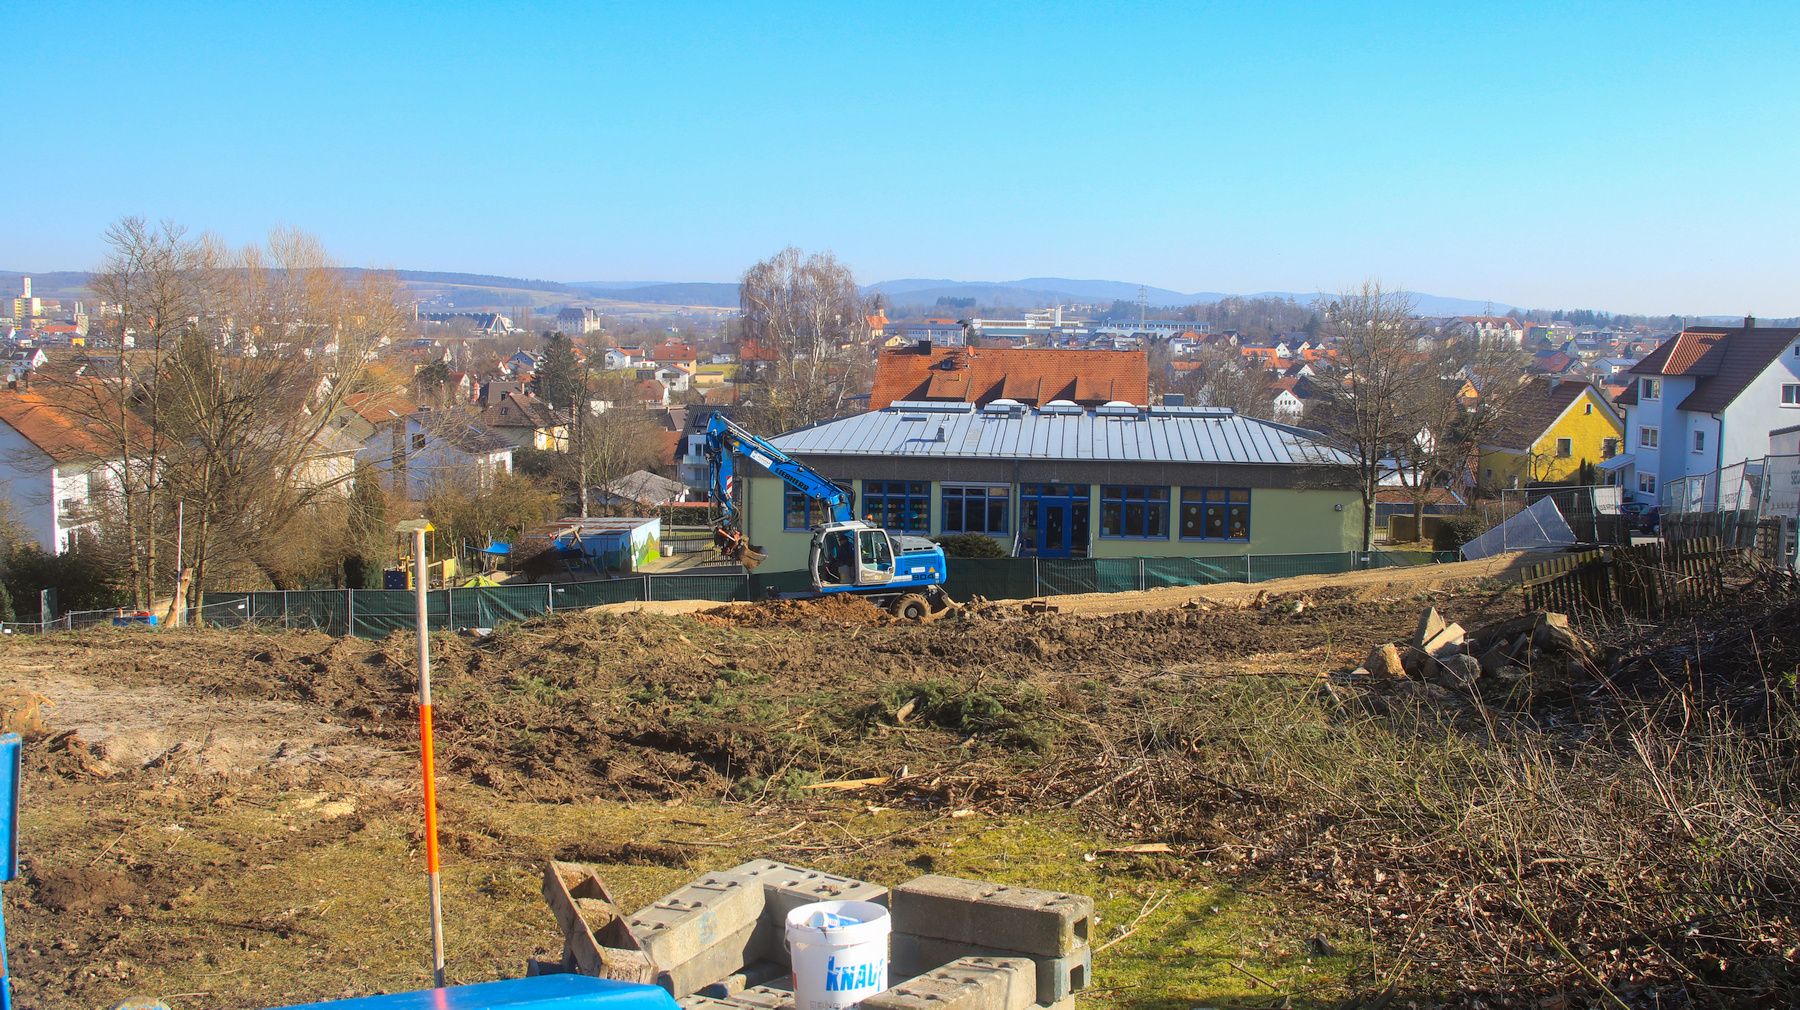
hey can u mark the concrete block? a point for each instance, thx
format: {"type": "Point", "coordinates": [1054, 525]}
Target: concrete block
{"type": "Point", "coordinates": [767, 997]}
{"type": "Point", "coordinates": [723, 958]}
{"type": "Point", "coordinates": [1446, 643]}
{"type": "Point", "coordinates": [787, 887]}
{"type": "Point", "coordinates": [753, 974]}
{"type": "Point", "coordinates": [683, 925]}
{"type": "Point", "coordinates": [1035, 922]}
{"type": "Point", "coordinates": [968, 983]}
{"type": "Point", "coordinates": [1057, 977]}
{"type": "Point", "coordinates": [695, 1001]}
{"type": "Point", "coordinates": [1431, 624]}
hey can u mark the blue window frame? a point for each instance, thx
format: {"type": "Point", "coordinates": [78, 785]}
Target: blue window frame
{"type": "Point", "coordinates": [799, 513]}
{"type": "Point", "coordinates": [1134, 513]}
{"type": "Point", "coordinates": [1215, 513]}
{"type": "Point", "coordinates": [976, 509]}
{"type": "Point", "coordinates": [903, 506]}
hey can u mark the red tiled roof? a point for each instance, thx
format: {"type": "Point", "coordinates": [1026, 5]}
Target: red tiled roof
{"type": "Point", "coordinates": [378, 407]}
{"type": "Point", "coordinates": [1724, 361]}
{"type": "Point", "coordinates": [60, 434]}
{"type": "Point", "coordinates": [978, 375]}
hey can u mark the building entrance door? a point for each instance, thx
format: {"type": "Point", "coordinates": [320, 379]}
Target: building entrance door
{"type": "Point", "coordinates": [1054, 520]}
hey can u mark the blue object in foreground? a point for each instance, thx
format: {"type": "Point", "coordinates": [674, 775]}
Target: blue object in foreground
{"type": "Point", "coordinates": [541, 992]}
{"type": "Point", "coordinates": [9, 842]}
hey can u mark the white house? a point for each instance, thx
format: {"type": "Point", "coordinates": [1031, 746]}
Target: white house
{"type": "Point", "coordinates": [439, 445]}
{"type": "Point", "coordinates": [51, 468]}
{"type": "Point", "coordinates": [617, 359]}
{"type": "Point", "coordinates": [1707, 398]}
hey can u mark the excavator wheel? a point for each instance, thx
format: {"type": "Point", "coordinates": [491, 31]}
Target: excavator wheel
{"type": "Point", "coordinates": [913, 607]}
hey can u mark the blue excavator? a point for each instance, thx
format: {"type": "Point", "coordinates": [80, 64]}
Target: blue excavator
{"type": "Point", "coordinates": [901, 574]}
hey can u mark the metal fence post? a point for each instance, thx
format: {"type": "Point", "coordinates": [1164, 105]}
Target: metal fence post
{"type": "Point", "coordinates": [350, 613]}
{"type": "Point", "coordinates": [1037, 579]}
{"type": "Point", "coordinates": [286, 623]}
{"type": "Point", "coordinates": [549, 598]}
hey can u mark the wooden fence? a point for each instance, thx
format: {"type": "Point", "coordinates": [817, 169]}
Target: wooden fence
{"type": "Point", "coordinates": [1653, 580]}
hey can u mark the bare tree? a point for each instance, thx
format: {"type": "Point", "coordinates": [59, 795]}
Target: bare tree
{"type": "Point", "coordinates": [807, 312]}
{"type": "Point", "coordinates": [1377, 395]}
{"type": "Point", "coordinates": [251, 399]}
{"type": "Point", "coordinates": [151, 287]}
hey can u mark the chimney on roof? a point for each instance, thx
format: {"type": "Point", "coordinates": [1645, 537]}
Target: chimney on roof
{"type": "Point", "coordinates": [1749, 322]}
{"type": "Point", "coordinates": [925, 346]}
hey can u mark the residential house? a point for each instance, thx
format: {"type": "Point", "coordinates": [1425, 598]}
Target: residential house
{"type": "Point", "coordinates": [681, 355]}
{"type": "Point", "coordinates": [1287, 404]}
{"type": "Point", "coordinates": [1500, 328]}
{"type": "Point", "coordinates": [619, 358]}
{"type": "Point", "coordinates": [431, 447]}
{"type": "Point", "coordinates": [23, 360]}
{"type": "Point", "coordinates": [1556, 425]}
{"type": "Point", "coordinates": [459, 386]}
{"type": "Point", "coordinates": [521, 363]}
{"type": "Point", "coordinates": [1030, 376]}
{"type": "Point", "coordinates": [1707, 399]}
{"type": "Point", "coordinates": [691, 465]}
{"type": "Point", "coordinates": [494, 390]}
{"type": "Point", "coordinates": [368, 418]}
{"type": "Point", "coordinates": [1276, 357]}
{"type": "Point", "coordinates": [1065, 481]}
{"type": "Point", "coordinates": [652, 393]}
{"type": "Point", "coordinates": [526, 421]}
{"type": "Point", "coordinates": [52, 467]}
{"type": "Point", "coordinates": [674, 377]}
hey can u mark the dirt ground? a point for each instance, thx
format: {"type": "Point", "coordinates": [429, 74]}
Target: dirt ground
{"type": "Point", "coordinates": [1379, 583]}
{"type": "Point", "coordinates": [230, 819]}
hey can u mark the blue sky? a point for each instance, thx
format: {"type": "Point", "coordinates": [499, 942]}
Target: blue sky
{"type": "Point", "coordinates": [1628, 156]}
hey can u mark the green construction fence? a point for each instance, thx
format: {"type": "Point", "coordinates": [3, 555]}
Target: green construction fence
{"type": "Point", "coordinates": [377, 613]}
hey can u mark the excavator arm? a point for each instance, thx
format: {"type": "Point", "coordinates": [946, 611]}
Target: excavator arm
{"type": "Point", "coordinates": [723, 440]}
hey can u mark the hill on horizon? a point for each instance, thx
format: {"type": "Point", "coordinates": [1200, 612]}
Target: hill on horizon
{"type": "Point", "coordinates": [1044, 292]}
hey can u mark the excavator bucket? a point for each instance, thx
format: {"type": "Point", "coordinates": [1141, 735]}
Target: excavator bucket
{"type": "Point", "coordinates": [736, 548]}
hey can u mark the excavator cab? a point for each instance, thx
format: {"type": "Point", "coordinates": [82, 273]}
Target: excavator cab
{"type": "Point", "coordinates": [852, 554]}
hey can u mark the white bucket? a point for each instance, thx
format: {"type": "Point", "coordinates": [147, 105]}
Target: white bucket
{"type": "Point", "coordinates": [839, 950]}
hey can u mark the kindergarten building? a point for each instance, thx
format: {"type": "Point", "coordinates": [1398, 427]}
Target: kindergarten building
{"type": "Point", "coordinates": [1063, 480]}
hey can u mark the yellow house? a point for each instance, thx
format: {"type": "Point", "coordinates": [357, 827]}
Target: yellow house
{"type": "Point", "coordinates": [1558, 425]}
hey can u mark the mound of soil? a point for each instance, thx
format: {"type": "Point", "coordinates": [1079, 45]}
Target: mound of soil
{"type": "Point", "coordinates": [840, 609]}
{"type": "Point", "coordinates": [63, 890]}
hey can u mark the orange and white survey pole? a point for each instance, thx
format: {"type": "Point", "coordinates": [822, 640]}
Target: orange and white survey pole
{"type": "Point", "coordinates": [425, 751]}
